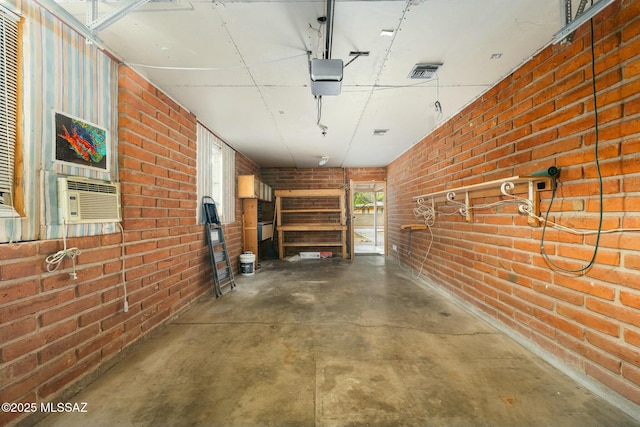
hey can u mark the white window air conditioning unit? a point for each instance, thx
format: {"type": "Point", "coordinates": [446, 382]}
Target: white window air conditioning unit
{"type": "Point", "coordinates": [84, 201]}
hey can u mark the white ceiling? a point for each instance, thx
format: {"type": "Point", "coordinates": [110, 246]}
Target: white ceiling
{"type": "Point", "coordinates": [242, 67]}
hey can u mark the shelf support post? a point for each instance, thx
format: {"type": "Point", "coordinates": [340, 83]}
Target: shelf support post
{"type": "Point", "coordinates": [534, 205]}
{"type": "Point", "coordinates": [467, 206]}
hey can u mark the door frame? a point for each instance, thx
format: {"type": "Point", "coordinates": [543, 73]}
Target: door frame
{"type": "Point", "coordinates": [372, 187]}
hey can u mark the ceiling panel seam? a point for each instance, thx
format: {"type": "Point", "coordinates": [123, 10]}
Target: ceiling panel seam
{"type": "Point", "coordinates": [248, 70]}
{"type": "Point", "coordinates": [375, 84]}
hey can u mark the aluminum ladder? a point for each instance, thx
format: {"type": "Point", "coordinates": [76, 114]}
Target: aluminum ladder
{"type": "Point", "coordinates": [218, 254]}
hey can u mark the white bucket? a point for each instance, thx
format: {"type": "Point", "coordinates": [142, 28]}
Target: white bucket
{"type": "Point", "coordinates": [247, 260]}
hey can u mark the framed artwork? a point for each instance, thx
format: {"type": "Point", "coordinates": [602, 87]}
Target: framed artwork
{"type": "Point", "coordinates": [80, 143]}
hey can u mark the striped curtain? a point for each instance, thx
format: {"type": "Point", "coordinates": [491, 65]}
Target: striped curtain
{"type": "Point", "coordinates": [61, 72]}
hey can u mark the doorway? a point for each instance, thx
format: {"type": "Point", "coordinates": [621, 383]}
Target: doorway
{"type": "Point", "coordinates": [368, 218]}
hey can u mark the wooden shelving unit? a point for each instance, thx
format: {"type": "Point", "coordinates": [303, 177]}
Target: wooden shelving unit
{"type": "Point", "coordinates": [311, 211]}
{"type": "Point", "coordinates": [257, 214]}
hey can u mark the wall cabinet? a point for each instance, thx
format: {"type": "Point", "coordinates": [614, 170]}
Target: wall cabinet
{"type": "Point", "coordinates": [312, 219]}
{"type": "Point", "coordinates": [250, 187]}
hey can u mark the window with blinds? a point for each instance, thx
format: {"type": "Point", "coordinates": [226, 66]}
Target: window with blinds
{"type": "Point", "coordinates": [8, 107]}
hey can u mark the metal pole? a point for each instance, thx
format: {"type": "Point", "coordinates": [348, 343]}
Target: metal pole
{"type": "Point", "coordinates": [375, 219]}
{"type": "Point", "coordinates": [329, 34]}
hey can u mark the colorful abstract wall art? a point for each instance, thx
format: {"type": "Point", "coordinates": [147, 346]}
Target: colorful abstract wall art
{"type": "Point", "coordinates": [80, 142]}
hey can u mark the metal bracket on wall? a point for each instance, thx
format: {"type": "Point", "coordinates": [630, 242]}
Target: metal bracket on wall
{"type": "Point", "coordinates": [568, 15]}
{"type": "Point", "coordinates": [582, 16]}
{"type": "Point", "coordinates": [412, 227]}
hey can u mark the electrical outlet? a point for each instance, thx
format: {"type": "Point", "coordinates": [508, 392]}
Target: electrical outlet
{"type": "Point", "coordinates": [395, 247]}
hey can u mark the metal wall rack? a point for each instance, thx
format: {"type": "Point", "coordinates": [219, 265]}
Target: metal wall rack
{"type": "Point", "coordinates": [463, 197]}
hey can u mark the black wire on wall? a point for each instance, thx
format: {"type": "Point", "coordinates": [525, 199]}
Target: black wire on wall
{"type": "Point", "coordinates": [597, 163]}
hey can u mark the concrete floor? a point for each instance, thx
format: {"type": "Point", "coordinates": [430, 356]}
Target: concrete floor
{"type": "Point", "coordinates": [330, 343]}
{"type": "Point", "coordinates": [365, 241]}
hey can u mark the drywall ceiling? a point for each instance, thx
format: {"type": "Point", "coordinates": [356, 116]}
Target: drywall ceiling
{"type": "Point", "coordinates": [242, 67]}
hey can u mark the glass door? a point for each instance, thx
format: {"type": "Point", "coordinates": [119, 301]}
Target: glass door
{"type": "Point", "coordinates": [368, 218]}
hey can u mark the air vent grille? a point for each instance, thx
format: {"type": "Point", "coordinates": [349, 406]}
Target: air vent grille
{"type": "Point", "coordinates": [424, 71]}
{"type": "Point", "coordinates": [380, 132]}
{"type": "Point", "coordinates": [91, 187]}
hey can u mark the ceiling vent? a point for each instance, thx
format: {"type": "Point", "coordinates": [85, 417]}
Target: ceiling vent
{"type": "Point", "coordinates": [424, 71]}
{"type": "Point", "coordinates": [380, 132]}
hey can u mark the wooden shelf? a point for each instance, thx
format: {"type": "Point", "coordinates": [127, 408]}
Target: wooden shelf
{"type": "Point", "coordinates": [312, 244]}
{"type": "Point", "coordinates": [529, 185]}
{"type": "Point", "coordinates": [322, 219]}
{"type": "Point", "coordinates": [313, 227]}
{"type": "Point", "coordinates": [413, 227]}
{"type": "Point", "coordinates": [286, 211]}
{"type": "Point", "coordinates": [329, 192]}
{"type": "Point", "coordinates": [489, 185]}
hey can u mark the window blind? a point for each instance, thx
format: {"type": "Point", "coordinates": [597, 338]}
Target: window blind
{"type": "Point", "coordinates": [8, 106]}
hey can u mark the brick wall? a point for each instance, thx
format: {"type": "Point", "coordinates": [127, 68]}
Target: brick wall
{"type": "Point", "coordinates": [543, 115]}
{"type": "Point", "coordinates": [366, 174]}
{"type": "Point", "coordinates": [58, 333]}
{"type": "Point", "coordinates": [167, 263]}
{"type": "Point", "coordinates": [294, 178]}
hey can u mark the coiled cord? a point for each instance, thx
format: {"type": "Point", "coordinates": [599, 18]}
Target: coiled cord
{"type": "Point", "coordinates": [54, 260]}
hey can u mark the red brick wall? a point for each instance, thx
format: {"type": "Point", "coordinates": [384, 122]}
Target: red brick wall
{"type": "Point", "coordinates": [366, 174]}
{"type": "Point", "coordinates": [294, 178]}
{"type": "Point", "coordinates": [167, 261]}
{"type": "Point", "coordinates": [543, 115]}
{"type": "Point", "coordinates": [56, 331]}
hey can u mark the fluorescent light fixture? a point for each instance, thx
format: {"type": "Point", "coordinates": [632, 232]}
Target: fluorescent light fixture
{"type": "Point", "coordinates": [387, 33]}
{"type": "Point", "coordinates": [573, 25]}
